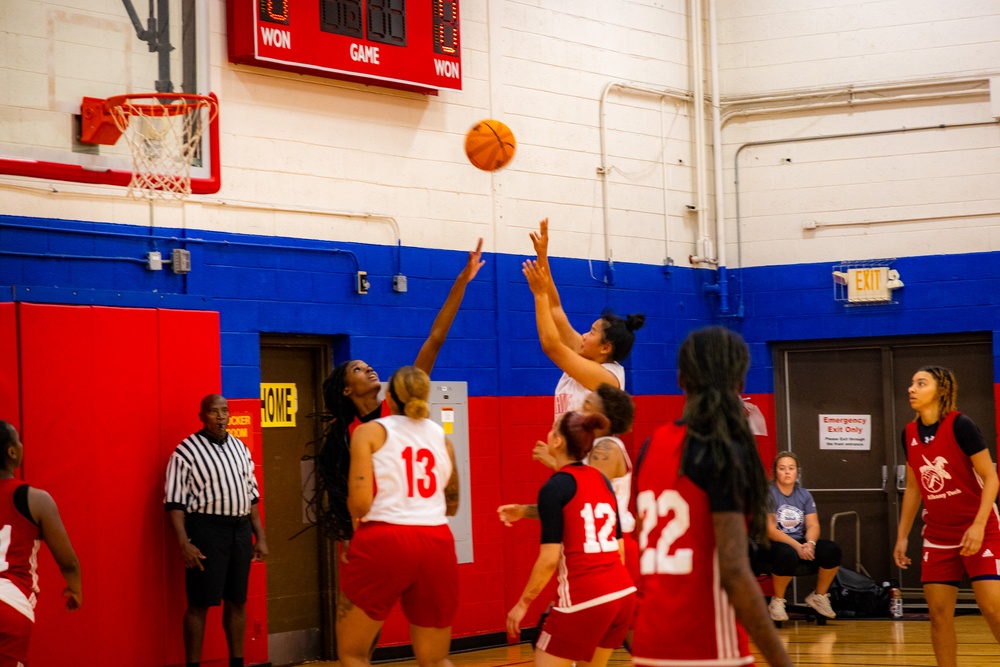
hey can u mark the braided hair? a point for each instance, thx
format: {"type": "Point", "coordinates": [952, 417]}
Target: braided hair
{"type": "Point", "coordinates": [329, 501]}
{"type": "Point", "coordinates": [947, 386]}
{"type": "Point", "coordinates": [712, 365]}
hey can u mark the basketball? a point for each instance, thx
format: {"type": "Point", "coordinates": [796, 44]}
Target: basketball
{"type": "Point", "coordinates": [490, 145]}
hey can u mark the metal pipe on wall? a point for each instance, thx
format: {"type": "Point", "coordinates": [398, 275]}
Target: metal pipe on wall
{"type": "Point", "coordinates": [604, 169]}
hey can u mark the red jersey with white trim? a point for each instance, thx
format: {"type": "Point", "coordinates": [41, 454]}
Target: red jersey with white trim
{"type": "Point", "coordinates": [684, 615]}
{"type": "Point", "coordinates": [19, 544]}
{"type": "Point", "coordinates": [385, 410]}
{"type": "Point", "coordinates": [590, 568]}
{"type": "Point", "coordinates": [949, 486]}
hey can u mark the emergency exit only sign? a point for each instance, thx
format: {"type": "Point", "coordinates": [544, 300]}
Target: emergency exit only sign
{"type": "Point", "coordinates": [278, 404]}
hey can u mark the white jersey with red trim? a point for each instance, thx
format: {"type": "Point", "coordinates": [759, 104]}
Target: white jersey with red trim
{"type": "Point", "coordinates": [622, 486]}
{"type": "Point", "coordinates": [570, 394]}
{"type": "Point", "coordinates": [412, 470]}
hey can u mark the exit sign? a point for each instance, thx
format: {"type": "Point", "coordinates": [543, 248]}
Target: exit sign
{"type": "Point", "coordinates": [868, 284]}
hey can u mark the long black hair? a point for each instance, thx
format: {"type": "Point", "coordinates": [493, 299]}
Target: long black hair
{"type": "Point", "coordinates": [333, 460]}
{"type": "Point", "coordinates": [712, 364]}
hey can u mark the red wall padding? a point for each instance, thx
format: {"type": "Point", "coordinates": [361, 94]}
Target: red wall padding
{"type": "Point", "coordinates": [106, 394]}
{"type": "Point", "coordinates": [10, 400]}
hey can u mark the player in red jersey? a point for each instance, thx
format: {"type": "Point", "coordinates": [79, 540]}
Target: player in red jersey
{"type": "Point", "coordinates": [403, 486]}
{"type": "Point", "coordinates": [699, 482]}
{"type": "Point", "coordinates": [607, 455]}
{"type": "Point", "coordinates": [28, 517]}
{"type": "Point", "coordinates": [350, 394]}
{"type": "Point", "coordinates": [581, 536]}
{"type": "Point", "coordinates": [949, 468]}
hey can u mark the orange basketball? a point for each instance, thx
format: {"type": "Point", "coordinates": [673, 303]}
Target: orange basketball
{"type": "Point", "coordinates": [490, 145]}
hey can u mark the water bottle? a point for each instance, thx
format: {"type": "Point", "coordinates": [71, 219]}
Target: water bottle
{"type": "Point", "coordinates": [896, 603]}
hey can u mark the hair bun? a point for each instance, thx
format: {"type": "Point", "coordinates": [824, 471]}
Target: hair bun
{"type": "Point", "coordinates": [593, 421]}
{"type": "Point", "coordinates": [635, 321]}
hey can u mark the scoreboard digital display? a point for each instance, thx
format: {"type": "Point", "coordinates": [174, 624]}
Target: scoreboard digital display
{"type": "Point", "coordinates": [409, 44]}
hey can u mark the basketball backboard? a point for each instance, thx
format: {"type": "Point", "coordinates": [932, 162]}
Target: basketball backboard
{"type": "Point", "coordinates": [53, 54]}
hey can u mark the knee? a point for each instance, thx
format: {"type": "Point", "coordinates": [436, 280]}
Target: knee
{"type": "Point", "coordinates": [784, 560]}
{"type": "Point", "coordinates": [196, 613]}
{"type": "Point", "coordinates": [989, 606]}
{"type": "Point", "coordinates": [828, 554]}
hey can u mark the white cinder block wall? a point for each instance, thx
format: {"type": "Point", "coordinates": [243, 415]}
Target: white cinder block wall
{"type": "Point", "coordinates": [541, 66]}
{"type": "Point", "coordinates": [923, 192]}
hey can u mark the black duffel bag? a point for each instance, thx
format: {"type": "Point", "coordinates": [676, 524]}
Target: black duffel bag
{"type": "Point", "coordinates": [855, 595]}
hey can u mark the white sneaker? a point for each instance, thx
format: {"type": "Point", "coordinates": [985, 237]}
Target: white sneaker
{"type": "Point", "coordinates": [821, 603]}
{"type": "Point", "coordinates": [777, 609]}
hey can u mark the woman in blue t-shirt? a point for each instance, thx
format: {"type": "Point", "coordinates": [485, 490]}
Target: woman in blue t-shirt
{"type": "Point", "coordinates": [793, 528]}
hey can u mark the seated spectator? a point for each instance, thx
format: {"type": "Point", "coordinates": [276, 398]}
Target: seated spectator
{"type": "Point", "coordinates": [793, 528]}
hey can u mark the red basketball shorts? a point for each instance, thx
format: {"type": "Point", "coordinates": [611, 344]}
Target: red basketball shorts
{"type": "Point", "coordinates": [416, 565]}
{"type": "Point", "coordinates": [15, 632]}
{"type": "Point", "coordinates": [575, 636]}
{"type": "Point", "coordinates": [948, 565]}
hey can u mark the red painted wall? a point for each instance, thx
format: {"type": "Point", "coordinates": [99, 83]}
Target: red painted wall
{"type": "Point", "coordinates": [101, 397]}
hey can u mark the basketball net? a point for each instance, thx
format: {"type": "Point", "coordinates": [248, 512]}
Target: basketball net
{"type": "Point", "coordinates": [164, 133]}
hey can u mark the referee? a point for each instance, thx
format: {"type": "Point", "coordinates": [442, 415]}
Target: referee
{"type": "Point", "coordinates": [212, 497]}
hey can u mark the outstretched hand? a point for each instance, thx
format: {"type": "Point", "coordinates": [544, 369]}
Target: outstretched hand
{"type": "Point", "coordinates": [538, 277]}
{"type": "Point", "coordinates": [541, 454]}
{"type": "Point", "coordinates": [474, 263]}
{"type": "Point", "coordinates": [510, 513]}
{"type": "Point", "coordinates": [540, 240]}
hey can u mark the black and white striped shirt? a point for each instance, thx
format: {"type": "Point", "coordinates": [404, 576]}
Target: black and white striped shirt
{"type": "Point", "coordinates": [205, 477]}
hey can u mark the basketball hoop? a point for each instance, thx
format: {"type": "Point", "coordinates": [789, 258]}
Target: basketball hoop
{"type": "Point", "coordinates": [164, 133]}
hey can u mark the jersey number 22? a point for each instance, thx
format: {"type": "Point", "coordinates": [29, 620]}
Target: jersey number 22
{"type": "Point", "coordinates": [660, 560]}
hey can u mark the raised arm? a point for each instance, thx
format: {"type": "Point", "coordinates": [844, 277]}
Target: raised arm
{"type": "Point", "coordinates": [567, 333]}
{"type": "Point", "coordinates": [442, 323]}
{"type": "Point", "coordinates": [45, 513]}
{"type": "Point", "coordinates": [741, 586]}
{"type": "Point", "coordinates": [587, 372]}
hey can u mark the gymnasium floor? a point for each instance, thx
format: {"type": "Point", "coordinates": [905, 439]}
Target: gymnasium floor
{"type": "Point", "coordinates": [904, 643]}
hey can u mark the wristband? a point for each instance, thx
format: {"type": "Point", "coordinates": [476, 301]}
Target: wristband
{"type": "Point", "coordinates": [812, 542]}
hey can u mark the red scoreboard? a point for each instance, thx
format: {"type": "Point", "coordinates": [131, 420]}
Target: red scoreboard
{"type": "Point", "coordinates": [409, 44]}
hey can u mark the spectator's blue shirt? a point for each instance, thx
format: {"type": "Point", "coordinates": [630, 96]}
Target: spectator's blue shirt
{"type": "Point", "coordinates": [791, 510]}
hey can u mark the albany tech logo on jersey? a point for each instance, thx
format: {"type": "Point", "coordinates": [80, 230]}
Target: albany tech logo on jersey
{"type": "Point", "coordinates": [933, 475]}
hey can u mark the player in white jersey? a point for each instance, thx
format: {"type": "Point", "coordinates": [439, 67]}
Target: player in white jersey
{"type": "Point", "coordinates": [586, 360]}
{"type": "Point", "coordinates": [402, 485]}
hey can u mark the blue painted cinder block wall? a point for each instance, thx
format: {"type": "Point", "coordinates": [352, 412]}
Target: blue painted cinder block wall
{"type": "Point", "coordinates": [264, 285]}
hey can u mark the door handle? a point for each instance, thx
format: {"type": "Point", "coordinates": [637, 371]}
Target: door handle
{"type": "Point", "coordinates": [885, 476]}
{"type": "Point", "coordinates": [901, 477]}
